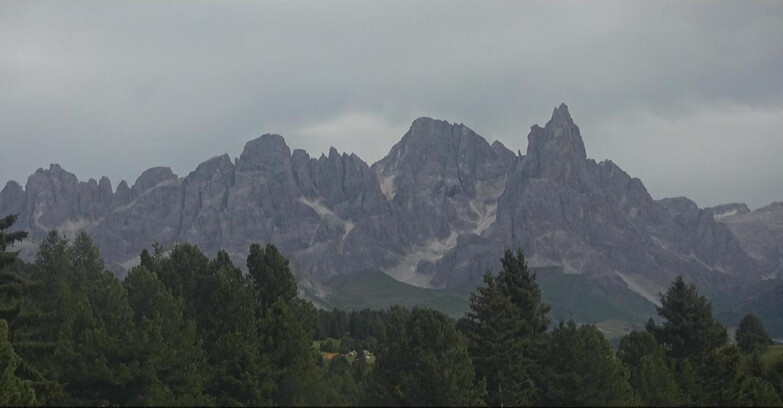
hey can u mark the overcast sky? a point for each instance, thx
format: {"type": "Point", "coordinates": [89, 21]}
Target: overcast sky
{"type": "Point", "coordinates": [687, 96]}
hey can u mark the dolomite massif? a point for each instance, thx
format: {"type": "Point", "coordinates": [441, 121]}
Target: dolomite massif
{"type": "Point", "coordinates": [436, 212]}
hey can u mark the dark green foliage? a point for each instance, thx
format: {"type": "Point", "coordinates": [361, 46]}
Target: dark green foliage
{"type": "Point", "coordinates": [751, 335]}
{"type": "Point", "coordinates": [342, 387]}
{"type": "Point", "coordinates": [689, 330]}
{"type": "Point", "coordinates": [270, 274]}
{"type": "Point", "coordinates": [12, 286]}
{"type": "Point", "coordinates": [505, 331]}
{"type": "Point", "coordinates": [707, 371]}
{"type": "Point", "coordinates": [650, 377]}
{"type": "Point", "coordinates": [14, 391]}
{"type": "Point", "coordinates": [349, 344]}
{"type": "Point", "coordinates": [186, 330]}
{"type": "Point", "coordinates": [720, 378]}
{"type": "Point", "coordinates": [757, 392]}
{"type": "Point", "coordinates": [519, 284]}
{"type": "Point", "coordinates": [497, 352]}
{"type": "Point", "coordinates": [7, 239]}
{"type": "Point", "coordinates": [773, 374]}
{"type": "Point", "coordinates": [172, 365]}
{"type": "Point", "coordinates": [287, 340]}
{"type": "Point", "coordinates": [332, 324]}
{"type": "Point", "coordinates": [580, 369]}
{"type": "Point", "coordinates": [423, 361]}
{"type": "Point", "coordinates": [181, 271]}
{"type": "Point", "coordinates": [367, 323]}
{"type": "Point", "coordinates": [329, 346]}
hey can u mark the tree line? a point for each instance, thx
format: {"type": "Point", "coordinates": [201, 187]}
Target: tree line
{"type": "Point", "coordinates": [184, 329]}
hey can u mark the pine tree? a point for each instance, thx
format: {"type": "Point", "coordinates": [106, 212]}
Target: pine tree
{"type": "Point", "coordinates": [180, 271]}
{"type": "Point", "coordinates": [12, 286]}
{"type": "Point", "coordinates": [423, 361]}
{"type": "Point", "coordinates": [226, 321]}
{"type": "Point", "coordinates": [77, 334]}
{"type": "Point", "coordinates": [650, 376]}
{"type": "Point", "coordinates": [14, 391]}
{"type": "Point", "coordinates": [581, 369]}
{"type": "Point", "coordinates": [173, 366]}
{"type": "Point", "coordinates": [42, 332]}
{"type": "Point", "coordinates": [689, 330]}
{"type": "Point", "coordinates": [270, 274]}
{"type": "Point", "coordinates": [505, 329]}
{"type": "Point", "coordinates": [7, 239]}
{"type": "Point", "coordinates": [287, 338]}
{"type": "Point", "coordinates": [751, 335]}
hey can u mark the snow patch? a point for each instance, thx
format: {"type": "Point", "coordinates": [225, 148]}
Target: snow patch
{"type": "Point", "coordinates": [348, 228]}
{"type": "Point", "coordinates": [724, 214]}
{"type": "Point", "coordinates": [318, 207]}
{"type": "Point", "coordinates": [325, 212]}
{"type": "Point", "coordinates": [636, 287]}
{"type": "Point", "coordinates": [388, 188]}
{"type": "Point", "coordinates": [432, 251]}
{"type": "Point", "coordinates": [164, 183]}
{"type": "Point", "coordinates": [487, 216]}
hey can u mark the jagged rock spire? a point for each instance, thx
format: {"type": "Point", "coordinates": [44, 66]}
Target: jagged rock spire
{"type": "Point", "coordinates": [556, 151]}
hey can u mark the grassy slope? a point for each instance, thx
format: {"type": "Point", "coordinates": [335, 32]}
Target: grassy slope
{"type": "Point", "coordinates": [764, 299]}
{"type": "Point", "coordinates": [376, 290]}
{"type": "Point", "coordinates": [583, 300]}
{"type": "Point", "coordinates": [773, 353]}
{"type": "Point", "coordinates": [615, 310]}
{"type": "Point", "coordinates": [571, 296]}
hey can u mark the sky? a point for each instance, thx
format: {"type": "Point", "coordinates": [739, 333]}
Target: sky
{"type": "Point", "coordinates": [687, 96]}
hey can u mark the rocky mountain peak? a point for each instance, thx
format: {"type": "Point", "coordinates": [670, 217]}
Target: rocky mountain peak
{"type": "Point", "coordinates": [265, 153]}
{"type": "Point", "coordinates": [561, 117]}
{"type": "Point", "coordinates": [12, 185]}
{"type": "Point", "coordinates": [437, 211]}
{"type": "Point", "coordinates": [123, 191]}
{"type": "Point", "coordinates": [105, 187]}
{"type": "Point", "coordinates": [556, 151]}
{"type": "Point", "coordinates": [11, 198]}
{"type": "Point", "coordinates": [560, 138]}
{"type": "Point", "coordinates": [151, 178]}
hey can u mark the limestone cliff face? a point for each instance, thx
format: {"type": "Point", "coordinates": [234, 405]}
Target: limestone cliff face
{"type": "Point", "coordinates": [435, 212]}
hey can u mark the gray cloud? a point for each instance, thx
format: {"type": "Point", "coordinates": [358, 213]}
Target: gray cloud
{"type": "Point", "coordinates": [687, 97]}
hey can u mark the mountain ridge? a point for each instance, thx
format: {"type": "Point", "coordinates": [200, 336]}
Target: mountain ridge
{"type": "Point", "coordinates": [435, 212]}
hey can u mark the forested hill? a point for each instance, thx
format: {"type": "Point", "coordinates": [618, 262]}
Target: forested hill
{"type": "Point", "coordinates": [186, 329]}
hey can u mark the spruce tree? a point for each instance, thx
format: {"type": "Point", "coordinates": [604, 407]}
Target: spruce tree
{"type": "Point", "coordinates": [270, 274]}
{"type": "Point", "coordinates": [650, 376]}
{"type": "Point", "coordinates": [12, 286]}
{"type": "Point", "coordinates": [423, 361]}
{"type": "Point", "coordinates": [7, 239]}
{"type": "Point", "coordinates": [689, 330]}
{"type": "Point", "coordinates": [227, 325]}
{"type": "Point", "coordinates": [78, 337]}
{"type": "Point", "coordinates": [505, 328]}
{"type": "Point", "coordinates": [14, 391]}
{"type": "Point", "coordinates": [581, 369]}
{"type": "Point", "coordinates": [751, 336]}
{"type": "Point", "coordinates": [172, 365]}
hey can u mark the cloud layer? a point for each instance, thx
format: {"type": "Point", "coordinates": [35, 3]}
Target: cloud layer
{"type": "Point", "coordinates": [687, 97]}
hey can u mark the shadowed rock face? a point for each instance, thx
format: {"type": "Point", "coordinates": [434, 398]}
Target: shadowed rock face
{"type": "Point", "coordinates": [437, 211]}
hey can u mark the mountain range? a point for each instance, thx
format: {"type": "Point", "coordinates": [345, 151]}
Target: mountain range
{"type": "Point", "coordinates": [435, 214]}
